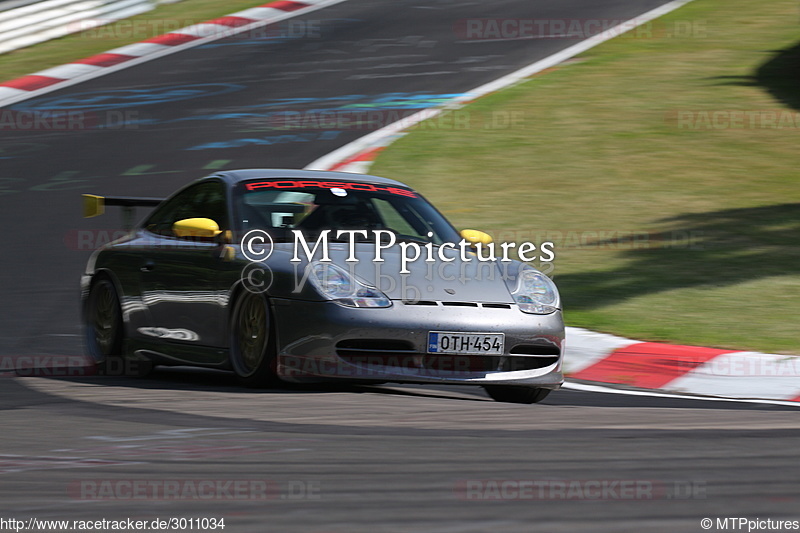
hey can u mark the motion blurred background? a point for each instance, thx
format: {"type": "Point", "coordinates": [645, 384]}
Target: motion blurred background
{"type": "Point", "coordinates": [662, 164]}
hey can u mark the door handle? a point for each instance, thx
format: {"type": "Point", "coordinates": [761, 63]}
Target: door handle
{"type": "Point", "coordinates": [148, 266]}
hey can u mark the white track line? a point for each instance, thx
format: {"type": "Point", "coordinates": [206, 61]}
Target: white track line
{"type": "Point", "coordinates": [610, 390]}
{"type": "Point", "coordinates": [370, 141]}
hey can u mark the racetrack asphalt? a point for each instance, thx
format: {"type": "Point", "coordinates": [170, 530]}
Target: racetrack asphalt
{"type": "Point", "coordinates": [395, 459]}
{"type": "Point", "coordinates": [378, 458]}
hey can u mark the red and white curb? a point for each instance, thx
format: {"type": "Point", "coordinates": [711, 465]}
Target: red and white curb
{"type": "Point", "coordinates": [601, 358]}
{"type": "Point", "coordinates": [133, 54]}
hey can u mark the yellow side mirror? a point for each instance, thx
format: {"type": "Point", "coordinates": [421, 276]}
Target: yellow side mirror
{"type": "Point", "coordinates": [196, 227]}
{"type": "Point", "coordinates": [474, 236]}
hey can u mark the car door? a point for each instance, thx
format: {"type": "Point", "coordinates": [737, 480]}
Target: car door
{"type": "Point", "coordinates": [180, 276]}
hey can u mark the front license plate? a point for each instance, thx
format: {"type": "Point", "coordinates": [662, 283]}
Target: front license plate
{"type": "Point", "coordinates": [455, 342]}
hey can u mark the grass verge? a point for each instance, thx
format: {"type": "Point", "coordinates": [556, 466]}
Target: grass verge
{"type": "Point", "coordinates": [162, 19]}
{"type": "Point", "coordinates": [664, 166]}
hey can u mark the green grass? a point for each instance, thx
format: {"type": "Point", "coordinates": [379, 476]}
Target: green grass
{"type": "Point", "coordinates": [161, 20]}
{"type": "Point", "coordinates": [598, 148]}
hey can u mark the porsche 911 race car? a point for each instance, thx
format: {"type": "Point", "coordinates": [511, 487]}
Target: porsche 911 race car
{"type": "Point", "coordinates": [307, 276]}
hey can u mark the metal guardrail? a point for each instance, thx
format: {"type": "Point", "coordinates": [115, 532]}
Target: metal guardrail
{"type": "Point", "coordinates": [5, 5]}
{"type": "Point", "coordinates": [26, 22]}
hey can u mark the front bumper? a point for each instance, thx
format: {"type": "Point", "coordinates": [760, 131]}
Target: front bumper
{"type": "Point", "coordinates": [316, 340]}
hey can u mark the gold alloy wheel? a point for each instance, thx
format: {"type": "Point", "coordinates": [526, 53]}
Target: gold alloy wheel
{"type": "Point", "coordinates": [252, 332]}
{"type": "Point", "coordinates": [105, 318]}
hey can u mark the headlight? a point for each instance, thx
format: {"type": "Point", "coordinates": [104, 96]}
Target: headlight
{"type": "Point", "coordinates": [535, 293]}
{"type": "Point", "coordinates": [336, 284]}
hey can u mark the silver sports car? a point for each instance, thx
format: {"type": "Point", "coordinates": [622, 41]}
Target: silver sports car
{"type": "Point", "coordinates": [305, 275]}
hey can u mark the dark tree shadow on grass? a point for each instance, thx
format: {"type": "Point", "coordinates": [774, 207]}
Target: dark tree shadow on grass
{"type": "Point", "coordinates": [718, 248]}
{"type": "Point", "coordinates": [780, 76]}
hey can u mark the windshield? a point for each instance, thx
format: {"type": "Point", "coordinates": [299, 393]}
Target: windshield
{"type": "Point", "coordinates": [280, 206]}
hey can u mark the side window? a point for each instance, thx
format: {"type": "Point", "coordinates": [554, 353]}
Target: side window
{"type": "Point", "coordinates": [204, 200]}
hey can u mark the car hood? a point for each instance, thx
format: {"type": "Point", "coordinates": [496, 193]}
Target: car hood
{"type": "Point", "coordinates": [437, 280]}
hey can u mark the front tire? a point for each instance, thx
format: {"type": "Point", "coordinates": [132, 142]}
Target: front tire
{"type": "Point", "coordinates": [512, 394]}
{"type": "Point", "coordinates": [252, 342]}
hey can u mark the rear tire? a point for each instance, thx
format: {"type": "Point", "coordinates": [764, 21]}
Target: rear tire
{"type": "Point", "coordinates": [512, 394]}
{"type": "Point", "coordinates": [105, 333]}
{"type": "Point", "coordinates": [252, 341]}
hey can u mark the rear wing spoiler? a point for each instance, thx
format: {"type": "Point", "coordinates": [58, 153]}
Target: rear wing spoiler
{"type": "Point", "coordinates": [96, 205]}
